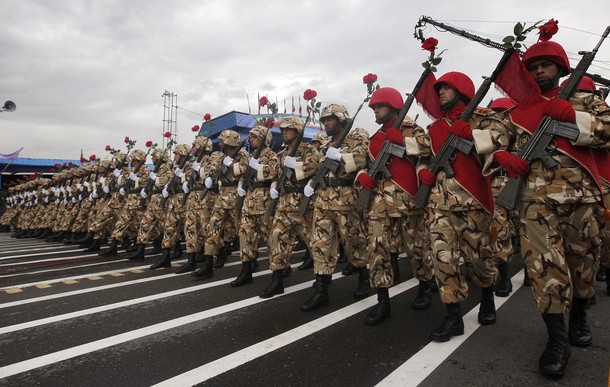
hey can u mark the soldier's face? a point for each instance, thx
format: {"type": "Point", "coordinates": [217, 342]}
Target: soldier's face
{"type": "Point", "coordinates": [254, 141]}
{"type": "Point", "coordinates": [545, 73]}
{"type": "Point", "coordinates": [288, 135]}
{"type": "Point", "coordinates": [331, 124]}
{"type": "Point", "coordinates": [446, 94]}
{"type": "Point", "coordinates": [135, 164]}
{"type": "Point", "coordinates": [382, 112]}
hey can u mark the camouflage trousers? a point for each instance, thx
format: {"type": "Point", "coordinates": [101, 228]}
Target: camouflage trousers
{"type": "Point", "coordinates": [80, 222]}
{"type": "Point", "coordinates": [129, 219]}
{"type": "Point", "coordinates": [455, 235]}
{"type": "Point", "coordinates": [331, 228]}
{"type": "Point", "coordinates": [560, 246]}
{"type": "Point", "coordinates": [503, 230]}
{"type": "Point", "coordinates": [286, 226]}
{"type": "Point", "coordinates": [104, 219]}
{"type": "Point", "coordinates": [196, 220]}
{"type": "Point", "coordinates": [604, 235]}
{"type": "Point", "coordinates": [252, 230]}
{"type": "Point", "coordinates": [59, 217]}
{"type": "Point", "coordinates": [152, 221]}
{"type": "Point", "coordinates": [221, 230]}
{"type": "Point", "coordinates": [174, 221]}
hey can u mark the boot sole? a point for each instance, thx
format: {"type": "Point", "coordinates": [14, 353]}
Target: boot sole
{"type": "Point", "coordinates": [444, 339]}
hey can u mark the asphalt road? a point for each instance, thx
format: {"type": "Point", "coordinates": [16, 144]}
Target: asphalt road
{"type": "Point", "coordinates": [69, 318]}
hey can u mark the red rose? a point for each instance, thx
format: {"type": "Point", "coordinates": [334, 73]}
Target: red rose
{"type": "Point", "coordinates": [309, 94]}
{"type": "Point", "coordinates": [195, 128]}
{"type": "Point", "coordinates": [548, 29]}
{"type": "Point", "coordinates": [65, 164]}
{"type": "Point", "coordinates": [92, 157]}
{"type": "Point", "coordinates": [107, 147]}
{"type": "Point", "coordinates": [18, 180]}
{"type": "Point", "coordinates": [167, 134]}
{"type": "Point", "coordinates": [263, 101]}
{"type": "Point", "coordinates": [369, 78]}
{"type": "Point", "coordinates": [126, 139]}
{"type": "Point", "coordinates": [70, 164]}
{"type": "Point", "coordinates": [207, 117]}
{"type": "Point", "coordinates": [149, 144]}
{"type": "Point", "coordinates": [269, 123]}
{"type": "Point", "coordinates": [83, 160]}
{"type": "Point", "coordinates": [429, 44]}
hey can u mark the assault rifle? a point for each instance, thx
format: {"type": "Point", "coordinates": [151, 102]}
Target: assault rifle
{"type": "Point", "coordinates": [287, 173]}
{"type": "Point", "coordinates": [379, 168]}
{"type": "Point", "coordinates": [171, 187]}
{"type": "Point", "coordinates": [193, 177]}
{"type": "Point", "coordinates": [129, 183]}
{"type": "Point", "coordinates": [537, 146]}
{"type": "Point", "coordinates": [251, 173]}
{"type": "Point", "coordinates": [222, 170]}
{"type": "Point", "coordinates": [151, 182]}
{"type": "Point", "coordinates": [442, 160]}
{"type": "Point", "coordinates": [113, 179]}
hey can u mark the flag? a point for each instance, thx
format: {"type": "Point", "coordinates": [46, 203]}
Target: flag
{"type": "Point", "coordinates": [428, 98]}
{"type": "Point", "coordinates": [284, 105]}
{"type": "Point", "coordinates": [293, 108]}
{"type": "Point", "coordinates": [300, 108]}
{"type": "Point", "coordinates": [258, 98]}
{"type": "Point", "coordinates": [11, 156]}
{"type": "Point", "coordinates": [516, 82]}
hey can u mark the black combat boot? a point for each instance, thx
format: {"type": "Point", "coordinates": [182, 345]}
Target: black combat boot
{"type": "Point", "coordinates": [504, 287]}
{"type": "Point", "coordinates": [395, 267]}
{"type": "Point", "coordinates": [138, 254]}
{"type": "Point", "coordinates": [382, 310]}
{"type": "Point", "coordinates": [452, 326]}
{"type": "Point", "coordinates": [349, 269]}
{"type": "Point", "coordinates": [245, 277]}
{"type": "Point", "coordinates": [320, 295]}
{"type": "Point", "coordinates": [307, 261]}
{"type": "Point", "coordinates": [223, 256]}
{"type": "Point", "coordinates": [132, 247]}
{"type": "Point", "coordinates": [189, 265]}
{"type": "Point", "coordinates": [56, 237]}
{"type": "Point", "coordinates": [254, 265]}
{"type": "Point", "coordinates": [95, 246]}
{"type": "Point", "coordinates": [579, 332]}
{"type": "Point", "coordinates": [164, 261]}
{"type": "Point", "coordinates": [125, 243]}
{"type": "Point", "coordinates": [72, 240]}
{"type": "Point", "coordinates": [177, 251]}
{"type": "Point", "coordinates": [207, 270]}
{"type": "Point", "coordinates": [112, 249]}
{"type": "Point", "coordinates": [342, 255]}
{"type": "Point", "coordinates": [554, 359]}
{"type": "Point", "coordinates": [487, 310]}
{"type": "Point", "coordinates": [423, 299]}
{"type": "Point", "coordinates": [85, 241]}
{"type": "Point", "coordinates": [526, 278]}
{"type": "Point", "coordinates": [276, 286]}
{"type": "Point", "coordinates": [45, 233]}
{"type": "Point", "coordinates": [600, 276]}
{"type": "Point", "coordinates": [363, 289]}
{"type": "Point", "coordinates": [157, 245]}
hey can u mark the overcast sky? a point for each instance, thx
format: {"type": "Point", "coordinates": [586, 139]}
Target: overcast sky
{"type": "Point", "coordinates": [85, 74]}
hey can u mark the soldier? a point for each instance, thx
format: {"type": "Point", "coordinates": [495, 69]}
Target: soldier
{"type": "Point", "coordinates": [335, 217]}
{"type": "Point", "coordinates": [153, 219]}
{"type": "Point", "coordinates": [222, 227]}
{"type": "Point", "coordinates": [287, 223]}
{"type": "Point", "coordinates": [195, 225]}
{"type": "Point", "coordinates": [559, 234]}
{"type": "Point", "coordinates": [100, 203]}
{"type": "Point", "coordinates": [255, 219]}
{"type": "Point", "coordinates": [174, 210]}
{"type": "Point", "coordinates": [461, 206]}
{"type": "Point", "coordinates": [131, 214]}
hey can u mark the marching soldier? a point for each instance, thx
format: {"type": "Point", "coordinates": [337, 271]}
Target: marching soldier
{"type": "Point", "coordinates": [336, 220]}
{"type": "Point", "coordinates": [255, 219]}
{"type": "Point", "coordinates": [287, 223]}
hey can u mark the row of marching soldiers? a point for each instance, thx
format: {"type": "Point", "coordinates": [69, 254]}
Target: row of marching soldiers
{"type": "Point", "coordinates": [560, 222]}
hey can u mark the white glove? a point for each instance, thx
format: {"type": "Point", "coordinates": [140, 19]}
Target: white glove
{"type": "Point", "coordinates": [116, 172]}
{"type": "Point", "coordinates": [36, 201]}
{"type": "Point", "coordinates": [185, 187]}
{"type": "Point", "coordinates": [333, 154]}
{"type": "Point", "coordinates": [122, 191]}
{"type": "Point", "coordinates": [80, 196]}
{"type": "Point", "coordinates": [56, 202]}
{"type": "Point", "coordinates": [69, 189]}
{"type": "Point", "coordinates": [46, 200]}
{"type": "Point", "coordinates": [208, 182]}
{"type": "Point", "coordinates": [178, 172]}
{"type": "Point", "coordinates": [253, 163]}
{"type": "Point", "coordinates": [165, 193]}
{"type": "Point", "coordinates": [143, 194]}
{"type": "Point", "coordinates": [240, 191]}
{"type": "Point", "coordinates": [86, 184]}
{"type": "Point", "coordinates": [79, 186]}
{"type": "Point", "coordinates": [290, 162]}
{"type": "Point", "coordinates": [308, 190]}
{"type": "Point", "coordinates": [196, 166]}
{"type": "Point", "coordinates": [94, 195]}
{"type": "Point", "coordinates": [102, 180]}
{"type": "Point", "coordinates": [227, 161]}
{"type": "Point", "coordinates": [153, 175]}
{"type": "Point", "coordinates": [65, 201]}
{"type": "Point", "coordinates": [62, 190]}
{"type": "Point", "coordinates": [133, 177]}
{"type": "Point", "coordinates": [274, 193]}
{"type": "Point", "coordinates": [93, 185]}
{"type": "Point", "coordinates": [106, 189]}
{"type": "Point", "coordinates": [73, 200]}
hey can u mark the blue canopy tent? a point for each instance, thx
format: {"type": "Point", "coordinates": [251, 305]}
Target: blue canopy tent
{"type": "Point", "coordinates": [243, 122]}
